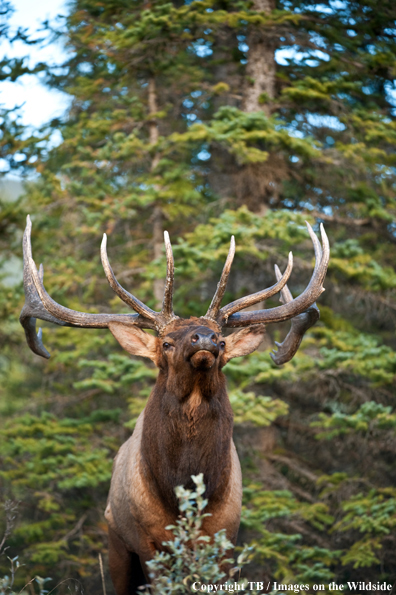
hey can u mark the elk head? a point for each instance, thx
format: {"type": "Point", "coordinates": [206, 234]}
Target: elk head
{"type": "Point", "coordinates": [196, 344]}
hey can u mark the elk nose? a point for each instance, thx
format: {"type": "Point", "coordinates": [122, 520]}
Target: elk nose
{"type": "Point", "coordinates": [205, 341]}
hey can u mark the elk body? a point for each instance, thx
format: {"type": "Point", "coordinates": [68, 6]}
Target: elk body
{"type": "Point", "coordinates": [186, 426]}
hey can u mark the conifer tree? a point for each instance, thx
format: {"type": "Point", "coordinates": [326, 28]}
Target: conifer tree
{"type": "Point", "coordinates": [210, 119]}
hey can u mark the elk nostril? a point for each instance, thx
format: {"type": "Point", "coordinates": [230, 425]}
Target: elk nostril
{"type": "Point", "coordinates": [195, 339]}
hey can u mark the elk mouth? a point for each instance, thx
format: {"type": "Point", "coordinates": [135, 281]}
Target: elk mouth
{"type": "Point", "coordinates": [202, 360]}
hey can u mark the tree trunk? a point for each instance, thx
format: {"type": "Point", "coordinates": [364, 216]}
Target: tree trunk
{"type": "Point", "coordinates": [257, 184]}
{"type": "Point", "coordinates": [157, 216]}
{"type": "Point", "coordinates": [260, 70]}
{"type": "Point", "coordinates": [153, 108]}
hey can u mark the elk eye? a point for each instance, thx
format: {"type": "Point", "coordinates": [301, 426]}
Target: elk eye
{"type": "Point", "coordinates": [222, 344]}
{"type": "Point", "coordinates": [166, 345]}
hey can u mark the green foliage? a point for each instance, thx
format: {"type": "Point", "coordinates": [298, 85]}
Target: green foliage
{"type": "Point", "coordinates": [118, 371]}
{"type": "Point", "coordinates": [256, 409]}
{"type": "Point", "coordinates": [58, 467]}
{"type": "Point", "coordinates": [192, 557]}
{"type": "Point", "coordinates": [373, 514]}
{"type": "Point", "coordinates": [290, 558]}
{"type": "Point", "coordinates": [370, 418]}
{"type": "Point", "coordinates": [350, 259]}
{"type": "Point", "coordinates": [240, 132]}
{"type": "Point", "coordinates": [359, 354]}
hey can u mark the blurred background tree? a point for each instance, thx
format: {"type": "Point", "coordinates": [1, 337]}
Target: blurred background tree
{"type": "Point", "coordinates": [209, 119]}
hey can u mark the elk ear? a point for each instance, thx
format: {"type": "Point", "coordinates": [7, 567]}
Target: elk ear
{"type": "Point", "coordinates": [134, 340]}
{"type": "Point", "coordinates": [243, 342]}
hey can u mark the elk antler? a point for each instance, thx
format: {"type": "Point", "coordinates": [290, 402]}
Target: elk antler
{"type": "Point", "coordinates": [222, 284]}
{"type": "Point", "coordinates": [302, 310]}
{"type": "Point", "coordinates": [302, 322]}
{"type": "Point", "coordinates": [40, 305]}
{"type": "Point", "coordinates": [159, 319]}
{"type": "Point", "coordinates": [299, 326]}
{"type": "Point", "coordinates": [213, 312]}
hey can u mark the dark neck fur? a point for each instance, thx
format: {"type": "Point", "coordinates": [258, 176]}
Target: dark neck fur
{"type": "Point", "coordinates": [187, 430]}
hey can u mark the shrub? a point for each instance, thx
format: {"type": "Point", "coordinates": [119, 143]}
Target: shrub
{"type": "Point", "coordinates": [192, 557]}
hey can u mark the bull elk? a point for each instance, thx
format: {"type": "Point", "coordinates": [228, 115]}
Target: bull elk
{"type": "Point", "coordinates": [186, 427]}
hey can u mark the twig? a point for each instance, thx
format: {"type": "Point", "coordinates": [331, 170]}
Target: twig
{"type": "Point", "coordinates": [302, 493]}
{"type": "Point", "coordinates": [102, 574]}
{"type": "Point", "coordinates": [76, 528]}
{"type": "Point", "coordinates": [294, 466]}
{"type": "Point", "coordinates": [27, 584]}
{"type": "Point", "coordinates": [386, 302]}
{"type": "Point", "coordinates": [65, 581]}
{"type": "Point", "coordinates": [10, 509]}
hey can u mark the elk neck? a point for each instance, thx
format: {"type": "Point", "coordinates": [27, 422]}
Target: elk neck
{"type": "Point", "coordinates": [187, 430]}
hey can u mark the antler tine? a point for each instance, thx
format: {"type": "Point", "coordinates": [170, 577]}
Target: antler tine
{"type": "Point", "coordinates": [33, 307]}
{"type": "Point", "coordinates": [259, 296]}
{"type": "Point", "coordinates": [167, 307]}
{"type": "Point", "coordinates": [326, 253]}
{"type": "Point", "coordinates": [213, 310]}
{"type": "Point", "coordinates": [299, 324]}
{"type": "Point", "coordinates": [122, 293]}
{"type": "Point", "coordinates": [316, 243]}
{"type": "Point", "coordinates": [285, 293]}
{"type": "Point", "coordinates": [291, 308]}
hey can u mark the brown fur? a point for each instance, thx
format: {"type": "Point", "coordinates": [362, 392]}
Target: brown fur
{"type": "Point", "coordinates": [185, 429]}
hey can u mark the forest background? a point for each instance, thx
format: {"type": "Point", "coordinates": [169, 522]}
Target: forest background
{"type": "Point", "coordinates": [210, 118]}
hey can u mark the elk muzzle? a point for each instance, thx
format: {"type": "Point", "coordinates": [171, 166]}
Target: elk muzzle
{"type": "Point", "coordinates": [204, 349]}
